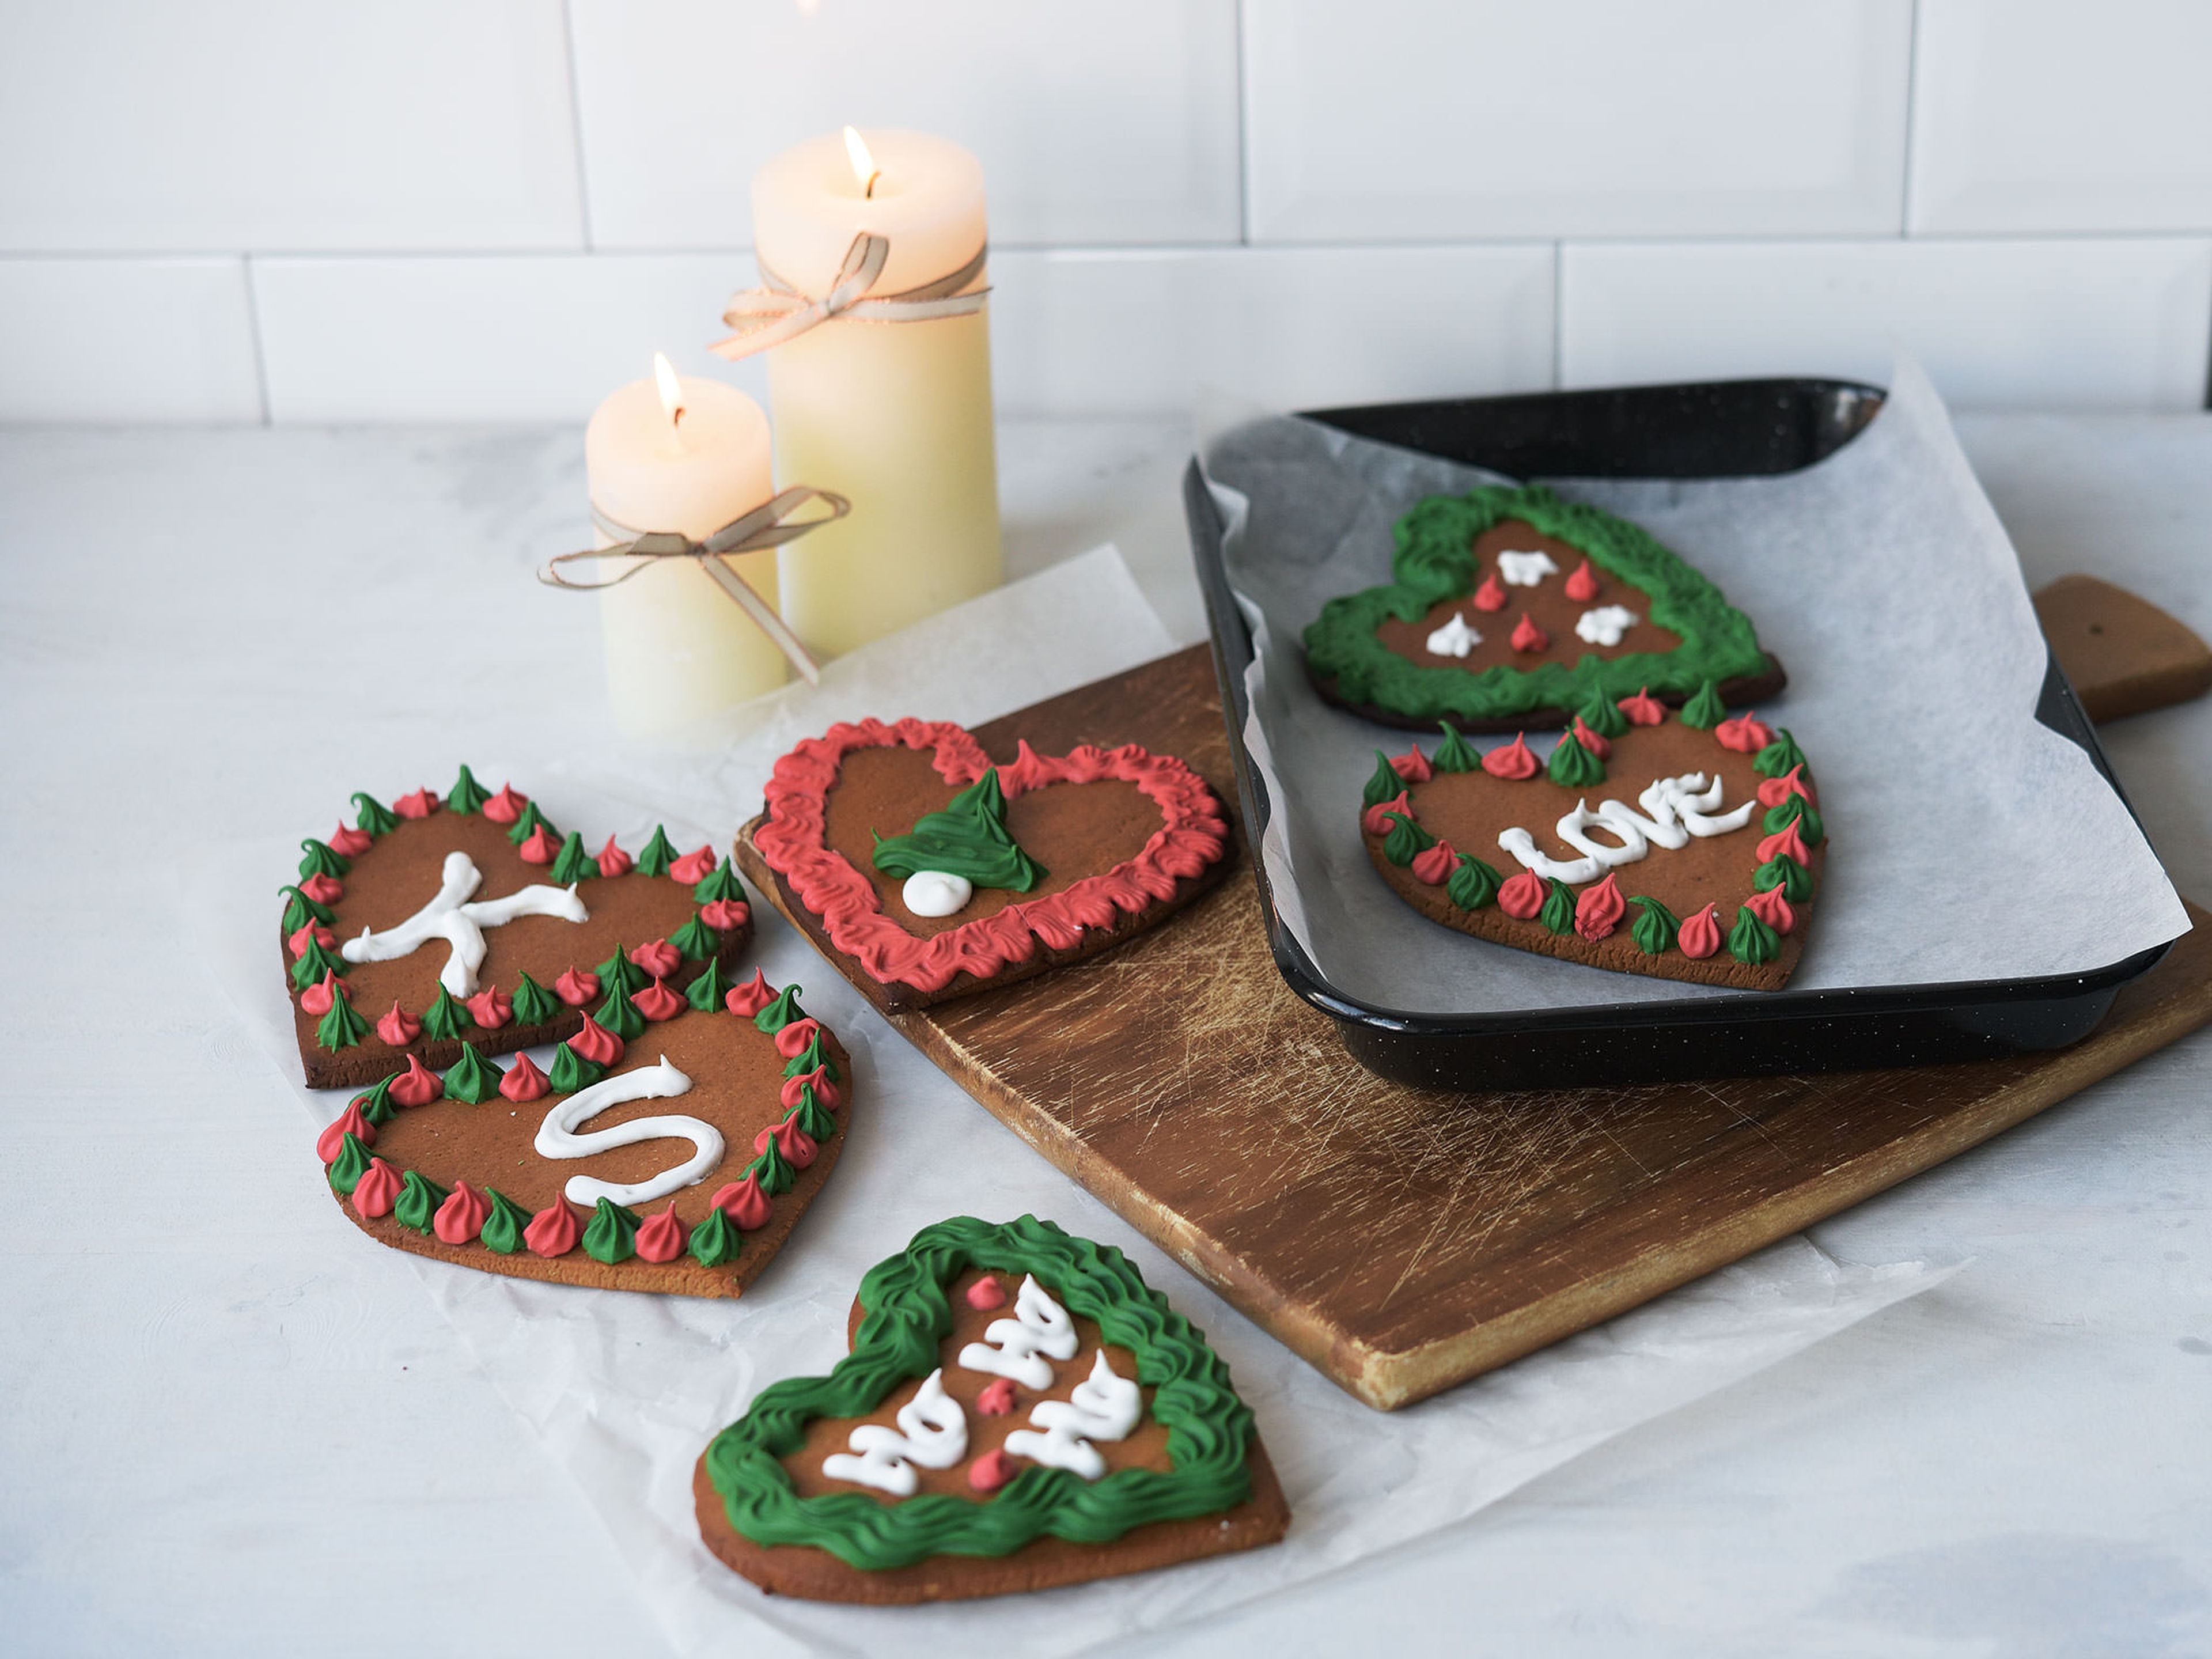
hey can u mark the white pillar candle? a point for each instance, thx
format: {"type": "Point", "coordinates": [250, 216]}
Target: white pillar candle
{"type": "Point", "coordinates": [687, 455]}
{"type": "Point", "coordinates": [895, 416]}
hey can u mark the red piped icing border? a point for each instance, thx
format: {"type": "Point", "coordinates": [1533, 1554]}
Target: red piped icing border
{"type": "Point", "coordinates": [1192, 835]}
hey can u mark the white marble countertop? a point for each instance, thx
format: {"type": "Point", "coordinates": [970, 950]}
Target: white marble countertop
{"type": "Point", "coordinates": [2013, 1463]}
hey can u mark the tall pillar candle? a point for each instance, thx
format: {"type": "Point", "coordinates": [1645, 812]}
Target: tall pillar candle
{"type": "Point", "coordinates": [687, 455]}
{"type": "Point", "coordinates": [894, 415]}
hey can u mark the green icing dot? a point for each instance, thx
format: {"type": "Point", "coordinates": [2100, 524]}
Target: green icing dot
{"type": "Point", "coordinates": [1784, 872]}
{"type": "Point", "coordinates": [1750, 941]}
{"type": "Point", "coordinates": [376, 1104]}
{"type": "Point", "coordinates": [1573, 766]}
{"type": "Point", "coordinates": [527, 823]}
{"type": "Point", "coordinates": [1385, 784]}
{"type": "Point", "coordinates": [1655, 927]}
{"type": "Point", "coordinates": [572, 863]}
{"type": "Point", "coordinates": [534, 1004]}
{"type": "Point", "coordinates": [715, 1240]}
{"type": "Point", "coordinates": [968, 839]}
{"type": "Point", "coordinates": [1794, 809]}
{"type": "Point", "coordinates": [319, 860]}
{"type": "Point", "coordinates": [1776, 760]}
{"type": "Point", "coordinates": [1473, 885]}
{"type": "Point", "coordinates": [349, 1165]}
{"type": "Point", "coordinates": [371, 817]}
{"type": "Point", "coordinates": [812, 1117]}
{"type": "Point", "coordinates": [417, 1204]}
{"type": "Point", "coordinates": [610, 1236]}
{"type": "Point", "coordinates": [446, 1019]}
{"type": "Point", "coordinates": [504, 1222]}
{"type": "Point", "coordinates": [466, 795]}
{"type": "Point", "coordinates": [773, 1170]}
{"type": "Point", "coordinates": [341, 1027]}
{"type": "Point", "coordinates": [471, 1077]}
{"type": "Point", "coordinates": [657, 855]}
{"type": "Point", "coordinates": [721, 883]}
{"type": "Point", "coordinates": [619, 973]}
{"type": "Point", "coordinates": [1603, 715]}
{"type": "Point", "coordinates": [811, 1055]}
{"type": "Point", "coordinates": [312, 963]}
{"type": "Point", "coordinates": [1407, 840]}
{"type": "Point", "coordinates": [1706, 710]}
{"type": "Point", "coordinates": [1558, 911]}
{"type": "Point", "coordinates": [709, 988]}
{"type": "Point", "coordinates": [300, 910]}
{"type": "Point", "coordinates": [695, 941]}
{"type": "Point", "coordinates": [572, 1072]}
{"type": "Point", "coordinates": [781, 1012]}
{"type": "Point", "coordinates": [620, 1015]}
{"type": "Point", "coordinates": [1455, 753]}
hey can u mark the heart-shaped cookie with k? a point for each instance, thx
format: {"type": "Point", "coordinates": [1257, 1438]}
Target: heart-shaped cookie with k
{"type": "Point", "coordinates": [1684, 846]}
{"type": "Point", "coordinates": [433, 924]}
{"type": "Point", "coordinates": [1019, 1410]}
{"type": "Point", "coordinates": [1509, 608]}
{"type": "Point", "coordinates": [672, 1149]}
{"type": "Point", "coordinates": [925, 873]}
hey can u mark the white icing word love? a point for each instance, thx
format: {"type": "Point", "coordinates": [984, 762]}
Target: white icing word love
{"type": "Point", "coordinates": [1677, 809]}
{"type": "Point", "coordinates": [936, 893]}
{"type": "Point", "coordinates": [1017, 1347]}
{"type": "Point", "coordinates": [1104, 1405]}
{"type": "Point", "coordinates": [932, 1431]}
{"type": "Point", "coordinates": [557, 1136]}
{"type": "Point", "coordinates": [1606, 624]}
{"type": "Point", "coordinates": [460, 924]}
{"type": "Point", "coordinates": [1525, 569]}
{"type": "Point", "coordinates": [1455, 638]}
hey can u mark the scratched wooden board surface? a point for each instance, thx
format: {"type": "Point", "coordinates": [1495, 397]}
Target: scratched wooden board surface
{"type": "Point", "coordinates": [1402, 1240]}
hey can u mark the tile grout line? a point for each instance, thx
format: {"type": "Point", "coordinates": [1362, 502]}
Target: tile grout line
{"type": "Point", "coordinates": [253, 336]}
{"type": "Point", "coordinates": [576, 124]}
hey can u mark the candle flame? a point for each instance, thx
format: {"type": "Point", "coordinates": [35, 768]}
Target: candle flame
{"type": "Point", "coordinates": [671, 389]}
{"type": "Point", "coordinates": [865, 170]}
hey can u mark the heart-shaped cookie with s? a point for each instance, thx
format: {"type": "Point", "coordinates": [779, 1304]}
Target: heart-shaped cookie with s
{"type": "Point", "coordinates": [671, 1148]}
{"type": "Point", "coordinates": [925, 871]}
{"type": "Point", "coordinates": [1019, 1410]}
{"type": "Point", "coordinates": [434, 925]}
{"type": "Point", "coordinates": [1685, 847]}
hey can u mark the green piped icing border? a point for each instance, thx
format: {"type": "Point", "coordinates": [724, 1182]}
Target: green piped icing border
{"type": "Point", "coordinates": [1209, 1428]}
{"type": "Point", "coordinates": [1435, 560]}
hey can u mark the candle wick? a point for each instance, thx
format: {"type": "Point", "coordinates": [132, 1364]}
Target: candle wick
{"type": "Point", "coordinates": [868, 192]}
{"type": "Point", "coordinates": [676, 416]}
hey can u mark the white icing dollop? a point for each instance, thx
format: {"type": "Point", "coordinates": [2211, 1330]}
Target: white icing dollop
{"type": "Point", "coordinates": [932, 1431]}
{"type": "Point", "coordinates": [1104, 1405]}
{"type": "Point", "coordinates": [460, 924]}
{"type": "Point", "coordinates": [1606, 624]}
{"type": "Point", "coordinates": [936, 893]}
{"type": "Point", "coordinates": [1675, 809]}
{"type": "Point", "coordinates": [1525, 569]}
{"type": "Point", "coordinates": [1455, 638]}
{"type": "Point", "coordinates": [557, 1137]}
{"type": "Point", "coordinates": [1017, 1349]}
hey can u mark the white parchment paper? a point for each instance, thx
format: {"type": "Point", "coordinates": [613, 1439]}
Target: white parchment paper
{"type": "Point", "coordinates": [624, 1391]}
{"type": "Point", "coordinates": [1969, 841]}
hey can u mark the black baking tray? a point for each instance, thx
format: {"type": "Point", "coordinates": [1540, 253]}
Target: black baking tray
{"type": "Point", "coordinates": [1729, 429]}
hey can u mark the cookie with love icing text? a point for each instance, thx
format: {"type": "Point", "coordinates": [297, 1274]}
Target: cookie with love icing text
{"type": "Point", "coordinates": [925, 871]}
{"type": "Point", "coordinates": [433, 925]}
{"type": "Point", "coordinates": [1508, 609]}
{"type": "Point", "coordinates": [672, 1148]}
{"type": "Point", "coordinates": [1685, 845]}
{"type": "Point", "coordinates": [1018, 1410]}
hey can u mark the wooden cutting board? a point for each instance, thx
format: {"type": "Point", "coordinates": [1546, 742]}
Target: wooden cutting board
{"type": "Point", "coordinates": [1402, 1240]}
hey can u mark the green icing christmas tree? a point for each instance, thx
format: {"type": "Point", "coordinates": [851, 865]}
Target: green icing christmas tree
{"type": "Point", "coordinates": [695, 941]}
{"type": "Point", "coordinates": [619, 973]}
{"type": "Point", "coordinates": [1383, 784]}
{"type": "Point", "coordinates": [620, 1015]}
{"type": "Point", "coordinates": [1780, 756]}
{"type": "Point", "coordinates": [504, 1223]}
{"type": "Point", "coordinates": [534, 1004]}
{"type": "Point", "coordinates": [1474, 884]}
{"type": "Point", "coordinates": [300, 910]}
{"type": "Point", "coordinates": [445, 1019]}
{"type": "Point", "coordinates": [1455, 754]}
{"type": "Point", "coordinates": [721, 883]}
{"type": "Point", "coordinates": [657, 855]}
{"type": "Point", "coordinates": [781, 1012]}
{"type": "Point", "coordinates": [1750, 941]}
{"type": "Point", "coordinates": [527, 823]}
{"type": "Point", "coordinates": [466, 795]}
{"type": "Point", "coordinates": [1706, 710]}
{"type": "Point", "coordinates": [471, 1077]}
{"type": "Point", "coordinates": [573, 864]}
{"type": "Point", "coordinates": [773, 1170]}
{"type": "Point", "coordinates": [350, 1164]}
{"type": "Point", "coordinates": [1558, 911]}
{"type": "Point", "coordinates": [1574, 766]}
{"type": "Point", "coordinates": [1796, 809]}
{"type": "Point", "coordinates": [968, 839]}
{"type": "Point", "coordinates": [1603, 715]}
{"type": "Point", "coordinates": [714, 1241]}
{"type": "Point", "coordinates": [1655, 927]}
{"type": "Point", "coordinates": [610, 1236]}
{"type": "Point", "coordinates": [317, 858]}
{"type": "Point", "coordinates": [707, 991]}
{"type": "Point", "coordinates": [571, 1071]}
{"type": "Point", "coordinates": [1407, 840]}
{"type": "Point", "coordinates": [371, 817]}
{"type": "Point", "coordinates": [417, 1204]}
{"type": "Point", "coordinates": [341, 1027]}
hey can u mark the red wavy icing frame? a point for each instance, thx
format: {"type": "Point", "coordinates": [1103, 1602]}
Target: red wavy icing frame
{"type": "Point", "coordinates": [1192, 835]}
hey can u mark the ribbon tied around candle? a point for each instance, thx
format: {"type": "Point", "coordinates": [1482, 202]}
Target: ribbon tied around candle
{"type": "Point", "coordinates": [770, 525]}
{"type": "Point", "coordinates": [776, 311]}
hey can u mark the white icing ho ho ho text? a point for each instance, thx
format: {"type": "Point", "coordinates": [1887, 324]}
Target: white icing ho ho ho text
{"type": "Point", "coordinates": [1606, 625]}
{"type": "Point", "coordinates": [449, 916]}
{"type": "Point", "coordinates": [1017, 1349]}
{"type": "Point", "coordinates": [1454, 639]}
{"type": "Point", "coordinates": [1104, 1405]}
{"type": "Point", "coordinates": [1525, 569]}
{"type": "Point", "coordinates": [932, 1432]}
{"type": "Point", "coordinates": [1675, 809]}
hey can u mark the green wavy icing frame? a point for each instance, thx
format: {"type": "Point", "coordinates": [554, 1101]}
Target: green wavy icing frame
{"type": "Point", "coordinates": [1434, 561]}
{"type": "Point", "coordinates": [1209, 1428]}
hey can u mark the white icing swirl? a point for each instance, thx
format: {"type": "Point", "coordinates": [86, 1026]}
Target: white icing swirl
{"type": "Point", "coordinates": [1606, 625]}
{"type": "Point", "coordinates": [557, 1137]}
{"type": "Point", "coordinates": [1017, 1349]}
{"type": "Point", "coordinates": [449, 917]}
{"type": "Point", "coordinates": [932, 1431]}
{"type": "Point", "coordinates": [1104, 1405]}
{"type": "Point", "coordinates": [1525, 569]}
{"type": "Point", "coordinates": [1675, 809]}
{"type": "Point", "coordinates": [1455, 638]}
{"type": "Point", "coordinates": [936, 893]}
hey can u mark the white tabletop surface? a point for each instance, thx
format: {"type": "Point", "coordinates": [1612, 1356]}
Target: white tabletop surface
{"type": "Point", "coordinates": [2016, 1462]}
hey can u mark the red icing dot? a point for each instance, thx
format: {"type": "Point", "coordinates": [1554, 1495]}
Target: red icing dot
{"type": "Point", "coordinates": [661, 1238]}
{"type": "Point", "coordinates": [399, 1027]}
{"type": "Point", "coordinates": [317, 998]}
{"type": "Point", "coordinates": [506, 806]}
{"type": "Point", "coordinates": [657, 1001]}
{"type": "Point", "coordinates": [790, 1041]}
{"type": "Point", "coordinates": [553, 1231]}
{"type": "Point", "coordinates": [491, 1008]}
{"type": "Point", "coordinates": [1643, 708]}
{"type": "Point", "coordinates": [1700, 936]}
{"type": "Point", "coordinates": [323, 889]}
{"type": "Point", "coordinates": [1598, 908]}
{"type": "Point", "coordinates": [1435, 864]}
{"type": "Point", "coordinates": [659, 958]}
{"type": "Point", "coordinates": [1772, 908]}
{"type": "Point", "coordinates": [1527, 636]}
{"type": "Point", "coordinates": [418, 1085]}
{"type": "Point", "coordinates": [461, 1217]}
{"type": "Point", "coordinates": [1523, 895]}
{"type": "Point", "coordinates": [1598, 745]}
{"type": "Point", "coordinates": [348, 842]}
{"type": "Point", "coordinates": [998, 1399]}
{"type": "Point", "coordinates": [420, 804]}
{"type": "Point", "coordinates": [726, 915]}
{"type": "Point", "coordinates": [613, 861]}
{"type": "Point", "coordinates": [523, 1081]}
{"type": "Point", "coordinates": [307, 930]}
{"type": "Point", "coordinates": [1784, 841]}
{"type": "Point", "coordinates": [379, 1189]}
{"type": "Point", "coordinates": [985, 1294]}
{"type": "Point", "coordinates": [1413, 766]}
{"type": "Point", "coordinates": [794, 1142]}
{"type": "Point", "coordinates": [1513, 761]}
{"type": "Point", "coordinates": [694, 867]}
{"type": "Point", "coordinates": [540, 848]}
{"type": "Point", "coordinates": [1774, 791]}
{"type": "Point", "coordinates": [745, 1203]}
{"type": "Point", "coordinates": [331, 1141]}
{"type": "Point", "coordinates": [577, 987]}
{"type": "Point", "coordinates": [825, 1092]}
{"type": "Point", "coordinates": [1376, 821]}
{"type": "Point", "coordinates": [1490, 596]}
{"type": "Point", "coordinates": [1582, 587]}
{"type": "Point", "coordinates": [992, 1470]}
{"type": "Point", "coordinates": [597, 1043]}
{"type": "Point", "coordinates": [747, 999]}
{"type": "Point", "coordinates": [1746, 734]}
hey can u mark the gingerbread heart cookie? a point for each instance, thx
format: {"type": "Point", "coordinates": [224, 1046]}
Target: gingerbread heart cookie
{"type": "Point", "coordinates": [471, 921]}
{"type": "Point", "coordinates": [672, 1148]}
{"type": "Point", "coordinates": [925, 871]}
{"type": "Point", "coordinates": [1508, 609]}
{"type": "Point", "coordinates": [1019, 1410]}
{"type": "Point", "coordinates": [1685, 847]}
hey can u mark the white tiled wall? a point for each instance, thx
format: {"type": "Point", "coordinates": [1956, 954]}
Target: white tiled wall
{"type": "Point", "coordinates": [478, 210]}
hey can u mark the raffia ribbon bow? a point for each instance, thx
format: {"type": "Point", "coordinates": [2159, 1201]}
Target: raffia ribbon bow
{"type": "Point", "coordinates": [775, 311]}
{"type": "Point", "coordinates": [770, 525]}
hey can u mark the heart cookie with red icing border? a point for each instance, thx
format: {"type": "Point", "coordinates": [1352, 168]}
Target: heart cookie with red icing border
{"type": "Point", "coordinates": [433, 924]}
{"type": "Point", "coordinates": [925, 872]}
{"type": "Point", "coordinates": [672, 1149]}
{"type": "Point", "coordinates": [1684, 847]}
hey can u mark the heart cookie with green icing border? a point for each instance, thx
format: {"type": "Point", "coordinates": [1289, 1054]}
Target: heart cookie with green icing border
{"type": "Point", "coordinates": [433, 925]}
{"type": "Point", "coordinates": [672, 1148]}
{"type": "Point", "coordinates": [1019, 1410]}
{"type": "Point", "coordinates": [1682, 846]}
{"type": "Point", "coordinates": [1509, 608]}
{"type": "Point", "coordinates": [925, 871]}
